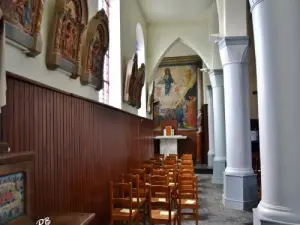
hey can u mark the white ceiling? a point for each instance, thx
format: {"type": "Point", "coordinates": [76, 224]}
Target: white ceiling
{"type": "Point", "coordinates": [168, 11]}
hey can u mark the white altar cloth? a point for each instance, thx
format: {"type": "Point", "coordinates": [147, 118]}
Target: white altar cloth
{"type": "Point", "coordinates": [169, 144]}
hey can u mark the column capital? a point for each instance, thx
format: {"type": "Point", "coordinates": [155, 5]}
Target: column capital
{"type": "Point", "coordinates": [254, 3]}
{"type": "Point", "coordinates": [216, 78]}
{"type": "Point", "coordinates": [234, 50]}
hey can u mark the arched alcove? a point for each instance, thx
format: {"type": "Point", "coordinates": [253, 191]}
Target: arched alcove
{"type": "Point", "coordinates": [176, 41]}
{"type": "Point", "coordinates": [140, 50]}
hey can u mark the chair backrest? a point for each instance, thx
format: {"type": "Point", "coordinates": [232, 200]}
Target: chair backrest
{"type": "Point", "coordinates": [191, 167]}
{"type": "Point", "coordinates": [169, 162]}
{"type": "Point", "coordinates": [148, 167]}
{"type": "Point", "coordinates": [162, 196]}
{"type": "Point", "coordinates": [142, 175]}
{"type": "Point", "coordinates": [188, 187]}
{"type": "Point", "coordinates": [134, 179]}
{"type": "Point", "coordinates": [159, 180]}
{"type": "Point", "coordinates": [160, 172]}
{"type": "Point", "coordinates": [186, 172]}
{"type": "Point", "coordinates": [187, 162]}
{"type": "Point", "coordinates": [121, 196]}
{"type": "Point", "coordinates": [187, 157]}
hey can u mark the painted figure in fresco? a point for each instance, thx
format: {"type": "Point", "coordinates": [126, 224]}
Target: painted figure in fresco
{"type": "Point", "coordinates": [191, 112]}
{"type": "Point", "coordinates": [68, 40]}
{"type": "Point", "coordinates": [74, 47]}
{"type": "Point", "coordinates": [168, 80]}
{"type": "Point", "coordinates": [95, 58]}
{"type": "Point", "coordinates": [27, 15]}
{"type": "Point", "coordinates": [179, 115]}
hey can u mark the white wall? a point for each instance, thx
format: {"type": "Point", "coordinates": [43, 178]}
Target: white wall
{"type": "Point", "coordinates": [162, 37]}
{"type": "Point", "coordinates": [180, 49]}
{"type": "Point", "coordinates": [131, 15]}
{"type": "Point", "coordinates": [35, 68]}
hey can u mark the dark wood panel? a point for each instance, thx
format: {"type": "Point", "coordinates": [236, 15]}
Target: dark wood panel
{"type": "Point", "coordinates": [205, 133]}
{"type": "Point", "coordinates": [79, 145]}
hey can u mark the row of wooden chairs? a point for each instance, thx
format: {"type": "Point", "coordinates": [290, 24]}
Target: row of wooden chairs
{"type": "Point", "coordinates": [163, 193]}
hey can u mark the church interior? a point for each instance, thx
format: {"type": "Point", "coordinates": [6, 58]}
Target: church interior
{"type": "Point", "coordinates": [149, 112]}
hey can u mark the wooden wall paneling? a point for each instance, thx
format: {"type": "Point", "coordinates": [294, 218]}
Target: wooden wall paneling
{"type": "Point", "coordinates": [79, 145]}
{"type": "Point", "coordinates": [205, 134]}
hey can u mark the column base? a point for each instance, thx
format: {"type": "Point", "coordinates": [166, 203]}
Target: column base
{"type": "Point", "coordinates": [266, 214]}
{"type": "Point", "coordinates": [210, 159]}
{"type": "Point", "coordinates": [218, 170]}
{"type": "Point", "coordinates": [240, 191]}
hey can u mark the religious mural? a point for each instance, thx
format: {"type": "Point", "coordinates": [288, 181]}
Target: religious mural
{"type": "Point", "coordinates": [23, 22]}
{"type": "Point", "coordinates": [176, 95]}
{"type": "Point", "coordinates": [11, 197]}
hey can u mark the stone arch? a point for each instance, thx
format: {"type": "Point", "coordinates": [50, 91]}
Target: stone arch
{"type": "Point", "coordinates": [178, 39]}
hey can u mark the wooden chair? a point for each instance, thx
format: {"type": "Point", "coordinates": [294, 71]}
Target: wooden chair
{"type": "Point", "coordinates": [142, 181]}
{"type": "Point", "coordinates": [191, 167]}
{"type": "Point", "coordinates": [121, 203]}
{"type": "Point", "coordinates": [188, 198]}
{"type": "Point", "coordinates": [187, 157]}
{"type": "Point", "coordinates": [138, 201]}
{"type": "Point", "coordinates": [159, 180]}
{"type": "Point", "coordinates": [187, 162]}
{"type": "Point", "coordinates": [160, 206]}
{"type": "Point", "coordinates": [148, 167]}
{"type": "Point", "coordinates": [189, 172]}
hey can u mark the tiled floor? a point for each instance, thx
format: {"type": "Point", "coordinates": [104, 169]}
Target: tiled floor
{"type": "Point", "coordinates": [211, 210]}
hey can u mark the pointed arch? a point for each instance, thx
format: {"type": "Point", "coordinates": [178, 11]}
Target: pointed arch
{"type": "Point", "coordinates": [174, 42]}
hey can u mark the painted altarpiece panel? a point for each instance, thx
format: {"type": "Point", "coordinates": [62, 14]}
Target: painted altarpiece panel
{"type": "Point", "coordinates": [175, 92]}
{"type": "Point", "coordinates": [23, 20]}
{"type": "Point", "coordinates": [93, 49]}
{"type": "Point", "coordinates": [69, 21]}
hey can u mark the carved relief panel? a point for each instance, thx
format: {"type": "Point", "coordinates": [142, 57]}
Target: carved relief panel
{"type": "Point", "coordinates": [69, 21]}
{"type": "Point", "coordinates": [138, 87]}
{"type": "Point", "coordinates": [131, 73]}
{"type": "Point", "coordinates": [93, 49]}
{"type": "Point", "coordinates": [150, 98]}
{"type": "Point", "coordinates": [23, 24]}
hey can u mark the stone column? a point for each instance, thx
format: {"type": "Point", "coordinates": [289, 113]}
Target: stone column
{"type": "Point", "coordinates": [216, 80]}
{"type": "Point", "coordinates": [277, 49]}
{"type": "Point", "coordinates": [210, 109]}
{"type": "Point", "coordinates": [240, 185]}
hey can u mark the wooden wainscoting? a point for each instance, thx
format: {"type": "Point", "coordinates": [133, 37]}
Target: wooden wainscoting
{"type": "Point", "coordinates": [80, 146]}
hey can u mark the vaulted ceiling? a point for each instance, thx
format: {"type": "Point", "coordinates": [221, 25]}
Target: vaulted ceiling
{"type": "Point", "coordinates": [174, 11]}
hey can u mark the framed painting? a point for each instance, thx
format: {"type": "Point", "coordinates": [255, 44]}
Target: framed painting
{"type": "Point", "coordinates": [175, 92]}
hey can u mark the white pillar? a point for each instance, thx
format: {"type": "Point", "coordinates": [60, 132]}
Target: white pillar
{"type": "Point", "coordinates": [277, 50]}
{"type": "Point", "coordinates": [210, 109]}
{"type": "Point", "coordinates": [240, 185]}
{"type": "Point", "coordinates": [216, 80]}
